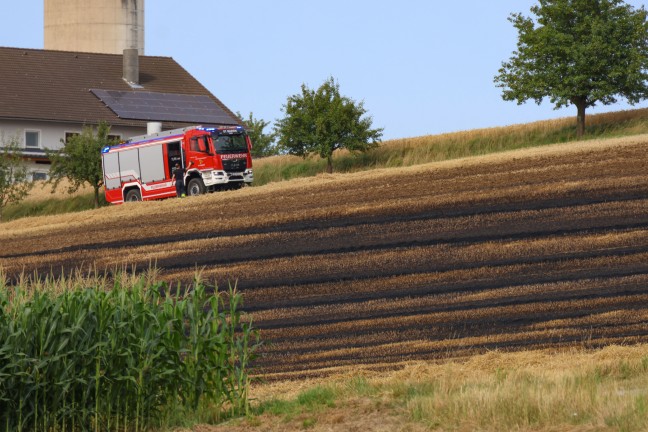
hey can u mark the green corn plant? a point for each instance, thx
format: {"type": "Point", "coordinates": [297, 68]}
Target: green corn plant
{"type": "Point", "coordinates": [80, 354]}
{"type": "Point", "coordinates": [243, 342]}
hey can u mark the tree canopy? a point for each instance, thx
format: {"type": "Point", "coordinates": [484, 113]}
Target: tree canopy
{"type": "Point", "coordinates": [14, 178]}
{"type": "Point", "coordinates": [79, 160]}
{"type": "Point", "coordinates": [263, 144]}
{"type": "Point", "coordinates": [578, 52]}
{"type": "Point", "coordinates": [322, 121]}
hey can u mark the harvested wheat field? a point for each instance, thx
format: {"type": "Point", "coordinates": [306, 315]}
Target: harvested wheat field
{"type": "Point", "coordinates": [532, 249]}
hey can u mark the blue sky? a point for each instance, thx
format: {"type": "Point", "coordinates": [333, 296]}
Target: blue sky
{"type": "Point", "coordinates": [420, 66]}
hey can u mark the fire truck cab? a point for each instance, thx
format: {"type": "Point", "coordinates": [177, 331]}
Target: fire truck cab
{"type": "Point", "coordinates": [142, 167]}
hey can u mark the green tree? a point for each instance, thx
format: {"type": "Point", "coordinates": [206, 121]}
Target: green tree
{"type": "Point", "coordinates": [322, 121]}
{"type": "Point", "coordinates": [578, 52]}
{"type": "Point", "coordinates": [79, 160]}
{"type": "Point", "coordinates": [14, 178]}
{"type": "Point", "coordinates": [262, 144]}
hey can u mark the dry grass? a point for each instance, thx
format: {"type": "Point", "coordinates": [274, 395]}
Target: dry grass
{"type": "Point", "coordinates": [42, 191]}
{"type": "Point", "coordinates": [537, 361]}
{"type": "Point", "coordinates": [523, 132]}
{"type": "Point", "coordinates": [535, 390]}
{"type": "Point", "coordinates": [432, 147]}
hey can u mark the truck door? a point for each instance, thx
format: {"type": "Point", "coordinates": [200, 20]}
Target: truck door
{"type": "Point", "coordinates": [199, 152]}
{"type": "Point", "coordinates": [173, 156]}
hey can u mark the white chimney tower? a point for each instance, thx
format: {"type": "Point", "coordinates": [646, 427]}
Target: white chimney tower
{"type": "Point", "coordinates": [98, 26]}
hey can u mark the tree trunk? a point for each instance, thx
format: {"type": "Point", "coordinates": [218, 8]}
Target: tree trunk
{"type": "Point", "coordinates": [580, 118]}
{"type": "Point", "coordinates": [96, 196]}
{"type": "Point", "coordinates": [329, 164]}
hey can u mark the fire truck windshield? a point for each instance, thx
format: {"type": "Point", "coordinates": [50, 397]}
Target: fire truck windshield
{"type": "Point", "coordinates": [230, 144]}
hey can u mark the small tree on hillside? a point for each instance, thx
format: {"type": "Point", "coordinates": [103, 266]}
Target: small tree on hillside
{"type": "Point", "coordinates": [322, 121]}
{"type": "Point", "coordinates": [262, 144]}
{"type": "Point", "coordinates": [14, 178]}
{"type": "Point", "coordinates": [578, 52]}
{"type": "Point", "coordinates": [80, 160]}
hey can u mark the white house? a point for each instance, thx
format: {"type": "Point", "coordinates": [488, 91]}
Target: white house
{"type": "Point", "coordinates": [46, 95]}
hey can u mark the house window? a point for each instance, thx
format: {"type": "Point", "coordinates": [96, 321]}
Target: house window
{"type": "Point", "coordinates": [32, 139]}
{"type": "Point", "coordinates": [69, 135]}
{"type": "Point", "coordinates": [115, 138]}
{"type": "Point", "coordinates": [36, 176]}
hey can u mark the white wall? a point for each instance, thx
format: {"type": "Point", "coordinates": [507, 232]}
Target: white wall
{"type": "Point", "coordinates": [51, 135]}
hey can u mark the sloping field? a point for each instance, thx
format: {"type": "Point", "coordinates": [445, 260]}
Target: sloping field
{"type": "Point", "coordinates": [543, 248]}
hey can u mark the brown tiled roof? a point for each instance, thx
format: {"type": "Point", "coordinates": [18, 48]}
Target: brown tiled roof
{"type": "Point", "coordinates": [55, 85]}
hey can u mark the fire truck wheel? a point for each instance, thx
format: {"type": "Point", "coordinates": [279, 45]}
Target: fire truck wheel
{"type": "Point", "coordinates": [195, 187]}
{"type": "Point", "coordinates": [133, 195]}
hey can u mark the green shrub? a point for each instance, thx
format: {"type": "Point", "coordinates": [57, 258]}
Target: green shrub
{"type": "Point", "coordinates": [52, 206]}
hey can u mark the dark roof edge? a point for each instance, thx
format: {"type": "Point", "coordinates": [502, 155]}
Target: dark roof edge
{"type": "Point", "coordinates": [125, 123]}
{"type": "Point", "coordinates": [75, 52]}
{"type": "Point", "coordinates": [75, 122]}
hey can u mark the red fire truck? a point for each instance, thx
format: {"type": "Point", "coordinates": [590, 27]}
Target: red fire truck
{"type": "Point", "coordinates": [141, 168]}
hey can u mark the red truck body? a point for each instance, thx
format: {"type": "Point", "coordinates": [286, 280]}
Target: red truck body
{"type": "Point", "coordinates": [142, 168]}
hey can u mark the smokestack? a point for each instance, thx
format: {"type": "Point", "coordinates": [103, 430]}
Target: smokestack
{"type": "Point", "coordinates": [131, 66]}
{"type": "Point", "coordinates": [153, 127]}
{"type": "Point", "coordinates": [97, 26]}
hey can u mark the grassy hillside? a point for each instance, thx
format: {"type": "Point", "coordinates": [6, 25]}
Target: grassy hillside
{"type": "Point", "coordinates": [433, 148]}
{"type": "Point", "coordinates": [42, 201]}
{"type": "Point", "coordinates": [391, 154]}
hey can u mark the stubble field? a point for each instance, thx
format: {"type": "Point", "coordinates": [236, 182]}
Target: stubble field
{"type": "Point", "coordinates": [543, 248]}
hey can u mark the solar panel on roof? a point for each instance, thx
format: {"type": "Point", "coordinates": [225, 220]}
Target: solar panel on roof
{"type": "Point", "coordinates": [163, 107]}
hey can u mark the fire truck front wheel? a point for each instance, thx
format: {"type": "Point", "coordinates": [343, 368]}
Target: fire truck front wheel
{"type": "Point", "coordinates": [195, 187]}
{"type": "Point", "coordinates": [133, 195]}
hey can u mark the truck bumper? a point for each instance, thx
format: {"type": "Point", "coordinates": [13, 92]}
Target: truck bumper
{"type": "Point", "coordinates": [215, 178]}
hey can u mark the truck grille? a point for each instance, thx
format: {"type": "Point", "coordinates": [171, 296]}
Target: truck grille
{"type": "Point", "coordinates": [234, 165]}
